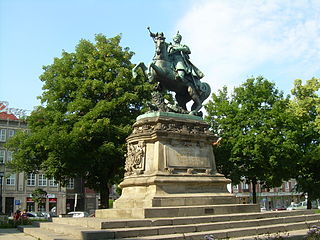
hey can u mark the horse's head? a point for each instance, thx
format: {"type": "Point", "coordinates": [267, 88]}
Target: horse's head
{"type": "Point", "coordinates": [161, 47]}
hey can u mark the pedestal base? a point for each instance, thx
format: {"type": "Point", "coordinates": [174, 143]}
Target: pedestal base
{"type": "Point", "coordinates": [173, 190]}
{"type": "Point", "coordinates": [171, 171]}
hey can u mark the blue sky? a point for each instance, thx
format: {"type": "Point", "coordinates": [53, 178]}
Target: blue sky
{"type": "Point", "coordinates": [230, 40]}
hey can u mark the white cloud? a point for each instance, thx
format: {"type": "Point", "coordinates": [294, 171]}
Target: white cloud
{"type": "Point", "coordinates": [231, 40]}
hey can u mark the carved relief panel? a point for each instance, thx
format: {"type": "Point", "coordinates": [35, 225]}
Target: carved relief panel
{"type": "Point", "coordinates": [135, 161]}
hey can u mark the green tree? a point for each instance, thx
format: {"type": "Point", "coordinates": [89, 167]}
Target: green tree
{"type": "Point", "coordinates": [304, 110]}
{"type": "Point", "coordinates": [38, 195]}
{"type": "Point", "coordinates": [250, 125]}
{"type": "Point", "coordinates": [89, 104]}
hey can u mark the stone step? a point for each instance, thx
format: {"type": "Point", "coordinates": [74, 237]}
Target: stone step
{"type": "Point", "coordinates": [183, 228]}
{"type": "Point", "coordinates": [252, 233]}
{"type": "Point", "coordinates": [176, 211]}
{"type": "Point", "coordinates": [180, 199]}
{"type": "Point", "coordinates": [221, 226]}
{"type": "Point", "coordinates": [99, 223]}
{"type": "Point", "coordinates": [71, 230]}
{"type": "Point", "coordinates": [122, 233]}
{"type": "Point", "coordinates": [221, 230]}
{"type": "Point", "coordinates": [44, 234]}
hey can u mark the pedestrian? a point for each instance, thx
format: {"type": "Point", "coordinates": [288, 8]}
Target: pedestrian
{"type": "Point", "coordinates": [17, 215]}
{"type": "Point", "coordinates": [24, 214]}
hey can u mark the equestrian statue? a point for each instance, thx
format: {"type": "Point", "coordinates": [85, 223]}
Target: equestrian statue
{"type": "Point", "coordinates": [172, 70]}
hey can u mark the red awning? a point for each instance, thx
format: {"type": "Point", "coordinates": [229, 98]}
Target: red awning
{"type": "Point", "coordinates": [52, 200]}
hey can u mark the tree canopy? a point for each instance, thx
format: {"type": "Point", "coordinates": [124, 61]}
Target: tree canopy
{"type": "Point", "coordinates": [250, 124]}
{"type": "Point", "coordinates": [89, 104]}
{"type": "Point", "coordinates": [38, 195]}
{"type": "Point", "coordinates": [304, 110]}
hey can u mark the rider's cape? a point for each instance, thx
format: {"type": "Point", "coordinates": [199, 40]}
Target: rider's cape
{"type": "Point", "coordinates": [193, 69]}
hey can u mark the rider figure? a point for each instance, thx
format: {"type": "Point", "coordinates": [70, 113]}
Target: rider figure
{"type": "Point", "coordinates": [179, 54]}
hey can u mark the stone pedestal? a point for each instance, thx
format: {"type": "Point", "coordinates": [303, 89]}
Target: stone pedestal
{"type": "Point", "coordinates": [170, 165]}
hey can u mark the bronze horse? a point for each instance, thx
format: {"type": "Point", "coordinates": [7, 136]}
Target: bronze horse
{"type": "Point", "coordinates": [161, 70]}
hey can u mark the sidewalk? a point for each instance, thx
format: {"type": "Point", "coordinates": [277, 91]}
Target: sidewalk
{"type": "Point", "coordinates": [13, 234]}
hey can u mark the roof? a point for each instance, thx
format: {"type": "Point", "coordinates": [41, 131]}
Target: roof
{"type": "Point", "coordinates": [4, 115]}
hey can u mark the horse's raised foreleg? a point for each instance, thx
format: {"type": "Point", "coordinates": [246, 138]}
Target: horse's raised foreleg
{"type": "Point", "coordinates": [155, 70]}
{"type": "Point", "coordinates": [143, 67]}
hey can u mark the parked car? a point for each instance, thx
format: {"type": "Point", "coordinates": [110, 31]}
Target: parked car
{"type": "Point", "coordinates": [79, 214]}
{"type": "Point", "coordinates": [38, 215]}
{"type": "Point", "coordinates": [294, 206]}
{"type": "Point", "coordinates": [303, 205]}
{"type": "Point", "coordinates": [31, 215]}
{"type": "Point", "coordinates": [279, 208]}
{"type": "Point", "coordinates": [47, 215]}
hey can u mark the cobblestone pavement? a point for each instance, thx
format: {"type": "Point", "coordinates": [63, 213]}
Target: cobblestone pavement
{"type": "Point", "coordinates": [13, 234]}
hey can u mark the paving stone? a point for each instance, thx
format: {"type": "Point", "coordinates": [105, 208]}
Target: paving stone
{"type": "Point", "coordinates": [14, 233]}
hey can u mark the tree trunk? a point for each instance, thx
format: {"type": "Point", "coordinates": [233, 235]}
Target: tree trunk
{"type": "Point", "coordinates": [254, 192]}
{"type": "Point", "coordinates": [309, 204]}
{"type": "Point", "coordinates": [104, 196]}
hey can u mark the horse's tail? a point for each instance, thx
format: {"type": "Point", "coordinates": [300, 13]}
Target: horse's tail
{"type": "Point", "coordinates": [205, 90]}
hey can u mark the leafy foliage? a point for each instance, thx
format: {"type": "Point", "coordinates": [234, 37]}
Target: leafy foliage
{"type": "Point", "coordinates": [38, 194]}
{"type": "Point", "coordinates": [89, 103]}
{"type": "Point", "coordinates": [305, 131]}
{"type": "Point", "coordinates": [250, 126]}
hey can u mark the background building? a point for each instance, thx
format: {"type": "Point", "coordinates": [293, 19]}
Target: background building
{"type": "Point", "coordinates": [280, 197]}
{"type": "Point", "coordinates": [16, 188]}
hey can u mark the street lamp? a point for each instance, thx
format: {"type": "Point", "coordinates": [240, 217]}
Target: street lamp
{"type": "Point", "coordinates": [1, 177]}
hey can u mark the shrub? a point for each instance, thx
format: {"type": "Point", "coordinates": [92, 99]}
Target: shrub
{"type": "Point", "coordinates": [313, 233]}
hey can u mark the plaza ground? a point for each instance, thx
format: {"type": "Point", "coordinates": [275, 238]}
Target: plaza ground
{"type": "Point", "coordinates": [13, 233]}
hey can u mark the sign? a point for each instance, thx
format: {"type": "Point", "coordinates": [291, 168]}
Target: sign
{"type": "Point", "coordinates": [52, 200]}
{"type": "Point", "coordinates": [17, 202]}
{"type": "Point", "coordinates": [50, 195]}
{"type": "Point", "coordinates": [188, 155]}
{"type": "Point", "coordinates": [29, 199]}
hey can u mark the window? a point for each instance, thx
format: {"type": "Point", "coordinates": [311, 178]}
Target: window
{"type": "Point", "coordinates": [2, 155]}
{"type": "Point", "coordinates": [70, 184]}
{"type": "Point", "coordinates": [31, 180]}
{"type": "Point", "coordinates": [11, 133]}
{"type": "Point", "coordinates": [244, 186]}
{"type": "Point", "coordinates": [9, 156]}
{"type": "Point", "coordinates": [52, 183]}
{"type": "Point", "coordinates": [11, 180]}
{"type": "Point", "coordinates": [287, 186]}
{"type": "Point", "coordinates": [2, 135]}
{"type": "Point", "coordinates": [42, 180]}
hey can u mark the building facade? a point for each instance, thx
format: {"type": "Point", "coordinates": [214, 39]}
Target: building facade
{"type": "Point", "coordinates": [273, 198]}
{"type": "Point", "coordinates": [16, 188]}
